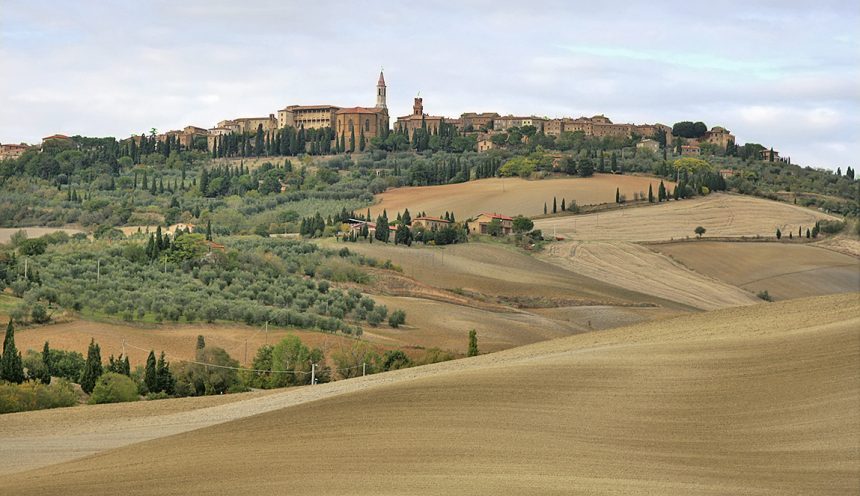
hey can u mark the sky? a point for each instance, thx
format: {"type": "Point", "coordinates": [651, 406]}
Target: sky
{"type": "Point", "coordinates": [782, 73]}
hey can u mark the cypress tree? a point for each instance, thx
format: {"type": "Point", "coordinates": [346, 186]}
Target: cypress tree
{"type": "Point", "coordinates": [361, 142]}
{"type": "Point", "coordinates": [208, 229]}
{"type": "Point", "coordinates": [554, 206]}
{"type": "Point", "coordinates": [201, 342]}
{"type": "Point", "coordinates": [46, 358]}
{"type": "Point", "coordinates": [661, 192]}
{"type": "Point", "coordinates": [563, 205]}
{"type": "Point", "coordinates": [352, 140]}
{"type": "Point", "coordinates": [164, 377]}
{"type": "Point", "coordinates": [617, 195]}
{"type": "Point", "coordinates": [544, 208]}
{"type": "Point", "coordinates": [473, 343]}
{"type": "Point", "coordinates": [126, 366]}
{"type": "Point", "coordinates": [650, 194]}
{"type": "Point", "coordinates": [11, 365]}
{"type": "Point", "coordinates": [93, 367]}
{"type": "Point", "coordinates": [150, 379]}
{"type": "Point", "coordinates": [778, 233]}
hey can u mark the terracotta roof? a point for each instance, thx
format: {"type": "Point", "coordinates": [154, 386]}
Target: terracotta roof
{"type": "Point", "coordinates": [56, 136]}
{"type": "Point", "coordinates": [359, 110]}
{"type": "Point", "coordinates": [497, 216]}
{"type": "Point", "coordinates": [414, 117]}
{"type": "Point", "coordinates": [434, 219]}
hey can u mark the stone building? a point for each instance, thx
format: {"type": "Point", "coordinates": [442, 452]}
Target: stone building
{"type": "Point", "coordinates": [477, 121]}
{"type": "Point", "coordinates": [307, 116]}
{"type": "Point", "coordinates": [409, 123]}
{"type": "Point", "coordinates": [11, 151]}
{"type": "Point", "coordinates": [719, 136]}
{"type": "Point", "coordinates": [371, 122]}
{"type": "Point", "coordinates": [249, 124]}
{"type": "Point", "coordinates": [482, 223]}
{"type": "Point", "coordinates": [508, 121]}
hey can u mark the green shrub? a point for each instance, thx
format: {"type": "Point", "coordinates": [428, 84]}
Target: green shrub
{"type": "Point", "coordinates": [114, 388]}
{"type": "Point", "coordinates": [831, 226]}
{"type": "Point", "coordinates": [36, 396]}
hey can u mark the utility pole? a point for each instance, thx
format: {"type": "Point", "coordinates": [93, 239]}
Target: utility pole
{"type": "Point", "coordinates": [313, 373]}
{"type": "Point", "coordinates": [363, 368]}
{"type": "Point", "coordinates": [246, 352]}
{"type": "Point", "coordinates": [98, 270]}
{"type": "Point", "coordinates": [26, 261]}
{"type": "Point", "coordinates": [267, 333]}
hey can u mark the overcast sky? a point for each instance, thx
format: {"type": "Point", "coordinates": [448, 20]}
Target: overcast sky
{"type": "Point", "coordinates": [781, 73]}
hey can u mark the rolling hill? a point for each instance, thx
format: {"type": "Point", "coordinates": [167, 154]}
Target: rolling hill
{"type": "Point", "coordinates": [758, 400]}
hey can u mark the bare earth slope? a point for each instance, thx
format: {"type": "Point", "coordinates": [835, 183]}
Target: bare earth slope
{"type": "Point", "coordinates": [784, 270]}
{"type": "Point", "coordinates": [753, 400]}
{"type": "Point", "coordinates": [721, 214]}
{"type": "Point", "coordinates": [510, 196]}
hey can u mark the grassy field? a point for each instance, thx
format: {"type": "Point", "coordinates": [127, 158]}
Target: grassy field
{"type": "Point", "coordinates": [723, 215]}
{"type": "Point", "coordinates": [509, 196]}
{"type": "Point", "coordinates": [784, 270]}
{"type": "Point", "coordinates": [754, 400]}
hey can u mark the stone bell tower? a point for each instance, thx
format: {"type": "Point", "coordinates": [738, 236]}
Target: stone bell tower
{"type": "Point", "coordinates": [380, 92]}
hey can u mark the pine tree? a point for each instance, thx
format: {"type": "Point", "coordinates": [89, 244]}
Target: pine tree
{"type": "Point", "coordinates": [473, 343]}
{"type": "Point", "coordinates": [11, 365]}
{"type": "Point", "coordinates": [93, 367]}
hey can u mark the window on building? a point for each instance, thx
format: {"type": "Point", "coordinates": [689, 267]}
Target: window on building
{"type": "Point", "coordinates": [367, 124]}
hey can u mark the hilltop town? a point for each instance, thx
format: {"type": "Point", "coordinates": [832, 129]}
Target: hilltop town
{"type": "Point", "coordinates": [332, 129]}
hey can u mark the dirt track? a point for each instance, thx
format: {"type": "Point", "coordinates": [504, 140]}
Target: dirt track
{"type": "Point", "coordinates": [753, 400]}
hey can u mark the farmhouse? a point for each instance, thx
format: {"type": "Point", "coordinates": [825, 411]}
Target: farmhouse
{"type": "Point", "coordinates": [481, 224]}
{"type": "Point", "coordinates": [688, 150]}
{"type": "Point", "coordinates": [430, 223]}
{"type": "Point", "coordinates": [12, 151]}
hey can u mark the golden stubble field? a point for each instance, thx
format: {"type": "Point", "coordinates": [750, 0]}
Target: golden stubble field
{"type": "Point", "coordinates": [753, 400]}
{"type": "Point", "coordinates": [509, 196]}
{"type": "Point", "coordinates": [785, 270]}
{"type": "Point", "coordinates": [723, 215]}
